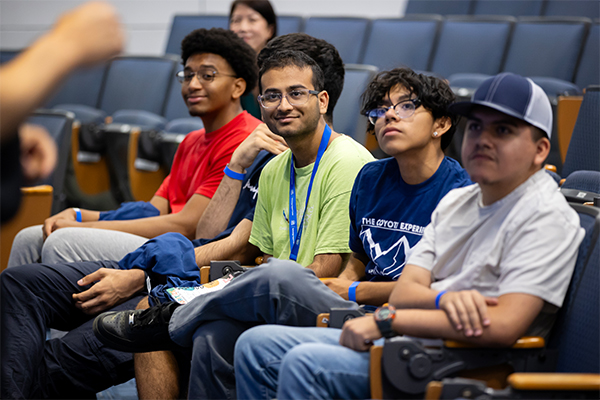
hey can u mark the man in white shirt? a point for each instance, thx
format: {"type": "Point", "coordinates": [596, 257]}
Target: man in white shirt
{"type": "Point", "coordinates": [493, 265]}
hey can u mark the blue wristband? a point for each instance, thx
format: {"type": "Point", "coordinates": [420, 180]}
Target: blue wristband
{"type": "Point", "coordinates": [352, 291]}
{"type": "Point", "coordinates": [233, 175]}
{"type": "Point", "coordinates": [77, 214]}
{"type": "Point", "coordinates": [437, 299]}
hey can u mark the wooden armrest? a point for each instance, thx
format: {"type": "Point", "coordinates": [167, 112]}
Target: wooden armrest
{"type": "Point", "coordinates": [526, 342]}
{"type": "Point", "coordinates": [41, 189]}
{"type": "Point", "coordinates": [550, 167]}
{"type": "Point", "coordinates": [204, 273]}
{"type": "Point", "coordinates": [323, 320]}
{"type": "Point", "coordinates": [434, 390]}
{"type": "Point", "coordinates": [554, 381]}
{"type": "Point", "coordinates": [375, 372]}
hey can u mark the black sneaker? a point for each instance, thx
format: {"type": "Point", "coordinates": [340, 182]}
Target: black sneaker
{"type": "Point", "coordinates": [137, 331]}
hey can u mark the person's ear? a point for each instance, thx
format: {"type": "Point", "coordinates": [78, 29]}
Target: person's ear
{"type": "Point", "coordinates": [542, 148]}
{"type": "Point", "coordinates": [323, 97]}
{"type": "Point", "coordinates": [239, 87]}
{"type": "Point", "coordinates": [441, 126]}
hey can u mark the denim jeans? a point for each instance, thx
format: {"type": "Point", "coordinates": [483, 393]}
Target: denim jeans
{"type": "Point", "coordinates": [299, 363]}
{"type": "Point", "coordinates": [280, 292]}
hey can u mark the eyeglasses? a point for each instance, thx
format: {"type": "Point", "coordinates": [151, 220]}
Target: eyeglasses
{"type": "Point", "coordinates": [205, 75]}
{"type": "Point", "coordinates": [296, 97]}
{"type": "Point", "coordinates": [403, 109]}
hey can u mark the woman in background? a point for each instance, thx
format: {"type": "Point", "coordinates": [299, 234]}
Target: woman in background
{"type": "Point", "coordinates": [256, 23]}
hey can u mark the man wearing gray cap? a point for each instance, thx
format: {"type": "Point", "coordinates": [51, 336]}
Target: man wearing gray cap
{"type": "Point", "coordinates": [494, 264]}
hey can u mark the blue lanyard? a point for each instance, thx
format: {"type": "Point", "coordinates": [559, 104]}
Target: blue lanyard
{"type": "Point", "coordinates": [295, 232]}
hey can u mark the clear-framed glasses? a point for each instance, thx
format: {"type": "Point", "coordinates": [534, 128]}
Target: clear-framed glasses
{"type": "Point", "coordinates": [296, 97]}
{"type": "Point", "coordinates": [403, 109]}
{"type": "Point", "coordinates": [205, 75]}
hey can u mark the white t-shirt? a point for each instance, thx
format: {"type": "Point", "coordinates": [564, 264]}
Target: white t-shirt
{"type": "Point", "coordinates": [526, 242]}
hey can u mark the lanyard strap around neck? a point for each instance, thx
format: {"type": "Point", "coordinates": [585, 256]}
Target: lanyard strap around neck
{"type": "Point", "coordinates": [295, 231]}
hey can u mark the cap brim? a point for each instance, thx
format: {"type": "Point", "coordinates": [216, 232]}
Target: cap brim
{"type": "Point", "coordinates": [465, 108]}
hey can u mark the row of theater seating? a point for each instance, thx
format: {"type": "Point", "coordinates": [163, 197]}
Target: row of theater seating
{"type": "Point", "coordinates": [574, 8]}
{"type": "Point", "coordinates": [565, 48]}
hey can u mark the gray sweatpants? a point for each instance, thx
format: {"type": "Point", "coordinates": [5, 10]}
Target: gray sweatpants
{"type": "Point", "coordinates": [70, 245]}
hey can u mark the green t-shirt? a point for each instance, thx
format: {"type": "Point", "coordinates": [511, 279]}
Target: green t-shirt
{"type": "Point", "coordinates": [327, 222]}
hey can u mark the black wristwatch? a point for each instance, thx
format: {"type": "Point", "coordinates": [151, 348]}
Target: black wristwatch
{"type": "Point", "coordinates": [384, 316]}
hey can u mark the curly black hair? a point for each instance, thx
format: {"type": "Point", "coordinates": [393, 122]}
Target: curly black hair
{"type": "Point", "coordinates": [238, 54]}
{"type": "Point", "coordinates": [324, 53]}
{"type": "Point", "coordinates": [435, 95]}
{"type": "Point", "coordinates": [286, 58]}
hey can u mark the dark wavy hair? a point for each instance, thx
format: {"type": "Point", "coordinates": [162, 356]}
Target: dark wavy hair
{"type": "Point", "coordinates": [238, 54]}
{"type": "Point", "coordinates": [263, 7]}
{"type": "Point", "coordinates": [435, 95]}
{"type": "Point", "coordinates": [287, 58]}
{"type": "Point", "coordinates": [325, 55]}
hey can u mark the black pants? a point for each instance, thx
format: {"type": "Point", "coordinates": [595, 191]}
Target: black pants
{"type": "Point", "coordinates": [37, 297]}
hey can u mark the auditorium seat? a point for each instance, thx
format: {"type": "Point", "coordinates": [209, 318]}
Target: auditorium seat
{"type": "Point", "coordinates": [184, 24]}
{"type": "Point", "coordinates": [82, 86]}
{"type": "Point", "coordinates": [588, 72]}
{"type": "Point", "coordinates": [444, 7]}
{"type": "Point", "coordinates": [515, 8]}
{"type": "Point", "coordinates": [346, 34]}
{"type": "Point", "coordinates": [288, 24]}
{"type": "Point", "coordinates": [407, 51]}
{"type": "Point", "coordinates": [472, 45]}
{"type": "Point", "coordinates": [575, 8]}
{"type": "Point", "coordinates": [547, 47]}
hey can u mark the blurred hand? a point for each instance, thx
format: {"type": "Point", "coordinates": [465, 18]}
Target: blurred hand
{"type": "Point", "coordinates": [467, 310]}
{"type": "Point", "coordinates": [260, 139]}
{"type": "Point", "coordinates": [38, 152]}
{"type": "Point", "coordinates": [90, 33]}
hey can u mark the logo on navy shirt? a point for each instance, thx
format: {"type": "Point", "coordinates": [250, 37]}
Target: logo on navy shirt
{"type": "Point", "coordinates": [387, 243]}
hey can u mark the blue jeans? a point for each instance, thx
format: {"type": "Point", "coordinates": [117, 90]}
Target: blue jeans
{"type": "Point", "coordinates": [280, 292]}
{"type": "Point", "coordinates": [299, 363]}
{"type": "Point", "coordinates": [37, 297]}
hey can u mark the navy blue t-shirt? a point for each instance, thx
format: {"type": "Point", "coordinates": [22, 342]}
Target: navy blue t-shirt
{"type": "Point", "coordinates": [388, 216]}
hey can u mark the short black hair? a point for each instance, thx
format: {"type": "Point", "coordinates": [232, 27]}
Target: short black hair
{"type": "Point", "coordinates": [238, 54]}
{"type": "Point", "coordinates": [325, 55]}
{"type": "Point", "coordinates": [434, 93]}
{"type": "Point", "coordinates": [263, 7]}
{"type": "Point", "coordinates": [287, 58]}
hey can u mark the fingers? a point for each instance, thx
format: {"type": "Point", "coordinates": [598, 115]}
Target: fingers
{"type": "Point", "coordinates": [91, 278]}
{"type": "Point", "coordinates": [467, 311]}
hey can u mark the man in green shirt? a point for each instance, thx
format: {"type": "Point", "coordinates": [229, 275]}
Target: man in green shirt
{"type": "Point", "coordinates": [301, 215]}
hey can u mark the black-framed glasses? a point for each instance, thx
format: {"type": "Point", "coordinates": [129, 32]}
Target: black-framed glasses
{"type": "Point", "coordinates": [403, 109]}
{"type": "Point", "coordinates": [205, 75]}
{"type": "Point", "coordinates": [295, 97]}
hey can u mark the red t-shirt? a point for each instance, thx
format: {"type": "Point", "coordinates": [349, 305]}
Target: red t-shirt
{"type": "Point", "coordinates": [200, 159]}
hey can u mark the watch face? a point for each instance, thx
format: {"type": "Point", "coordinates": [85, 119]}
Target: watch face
{"type": "Point", "coordinates": [383, 313]}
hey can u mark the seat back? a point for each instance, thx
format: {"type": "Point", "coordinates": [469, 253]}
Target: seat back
{"type": "Point", "coordinates": [184, 24]}
{"type": "Point", "coordinates": [576, 332]}
{"type": "Point", "coordinates": [7, 55]}
{"type": "Point", "coordinates": [59, 124]}
{"type": "Point", "coordinates": [346, 34]}
{"type": "Point", "coordinates": [289, 24]}
{"type": "Point", "coordinates": [472, 44]}
{"type": "Point", "coordinates": [444, 7]}
{"type": "Point", "coordinates": [516, 8]}
{"type": "Point", "coordinates": [575, 8]}
{"type": "Point", "coordinates": [137, 83]}
{"type": "Point", "coordinates": [409, 52]}
{"type": "Point", "coordinates": [83, 87]}
{"type": "Point", "coordinates": [346, 116]}
{"type": "Point", "coordinates": [546, 46]}
{"type": "Point", "coordinates": [584, 146]}
{"type": "Point", "coordinates": [175, 107]}
{"type": "Point", "coordinates": [588, 72]}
